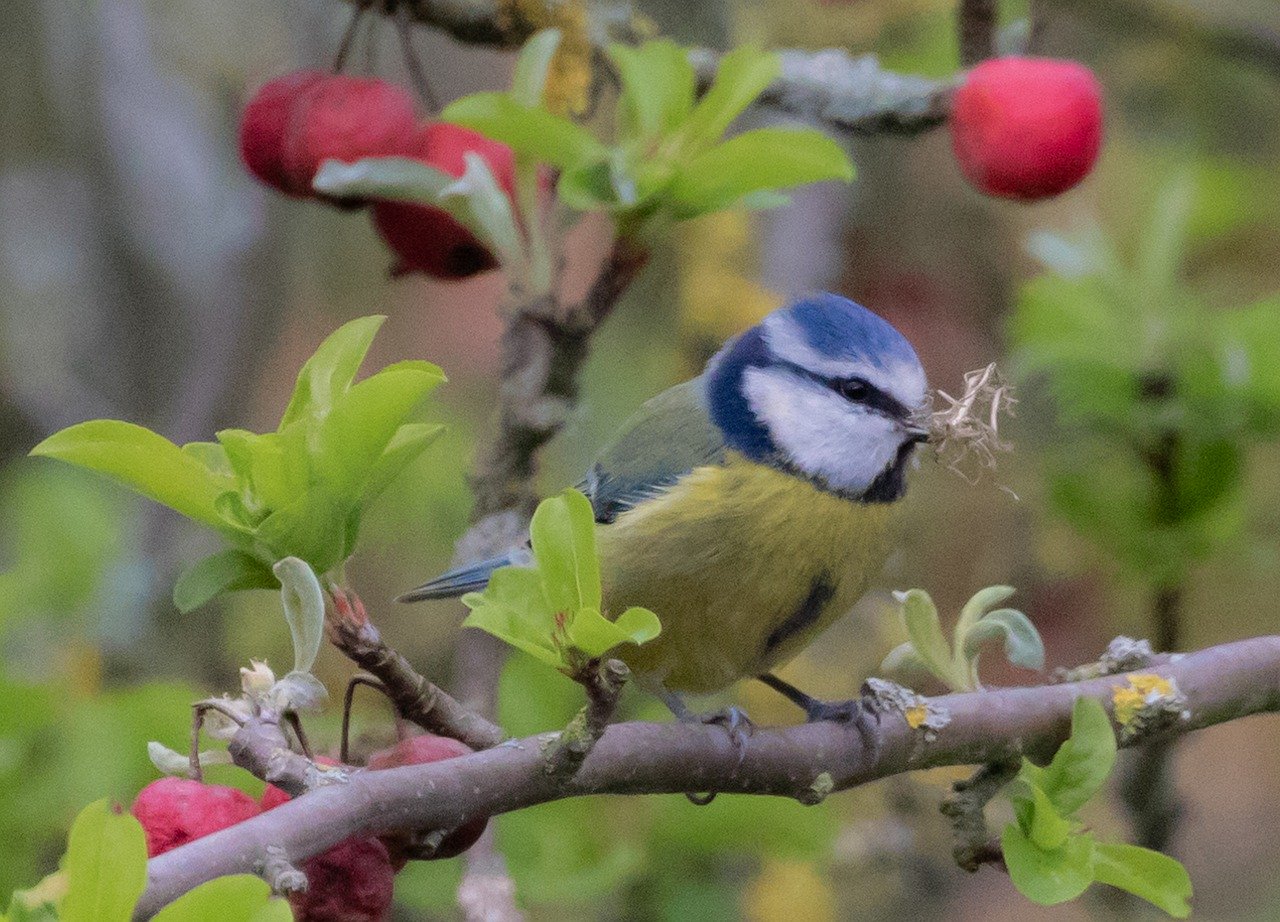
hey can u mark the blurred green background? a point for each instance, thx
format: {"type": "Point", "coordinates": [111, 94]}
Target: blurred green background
{"type": "Point", "coordinates": [143, 276]}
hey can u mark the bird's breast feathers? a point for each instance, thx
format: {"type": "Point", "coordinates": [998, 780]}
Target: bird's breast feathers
{"type": "Point", "coordinates": [743, 564]}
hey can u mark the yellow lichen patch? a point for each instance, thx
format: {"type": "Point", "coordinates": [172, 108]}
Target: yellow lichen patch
{"type": "Point", "coordinates": [916, 716]}
{"type": "Point", "coordinates": [1143, 689]}
{"type": "Point", "coordinates": [568, 87]}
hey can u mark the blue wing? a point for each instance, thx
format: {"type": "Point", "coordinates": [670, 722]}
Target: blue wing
{"type": "Point", "coordinates": [461, 580]}
{"type": "Point", "coordinates": [667, 437]}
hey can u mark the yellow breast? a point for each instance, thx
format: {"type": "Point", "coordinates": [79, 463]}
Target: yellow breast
{"type": "Point", "coordinates": [743, 564]}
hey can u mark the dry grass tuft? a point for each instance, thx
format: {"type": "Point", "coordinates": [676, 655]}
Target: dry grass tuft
{"type": "Point", "coordinates": [965, 433]}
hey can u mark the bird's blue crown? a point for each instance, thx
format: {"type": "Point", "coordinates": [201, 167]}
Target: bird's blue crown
{"type": "Point", "coordinates": [825, 337]}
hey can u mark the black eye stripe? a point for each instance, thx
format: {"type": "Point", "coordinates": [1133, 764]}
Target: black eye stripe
{"type": "Point", "coordinates": [868, 395]}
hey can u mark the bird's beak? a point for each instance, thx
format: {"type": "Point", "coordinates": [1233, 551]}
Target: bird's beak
{"type": "Point", "coordinates": [916, 434]}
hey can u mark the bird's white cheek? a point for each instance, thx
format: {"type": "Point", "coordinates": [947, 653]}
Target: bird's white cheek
{"type": "Point", "coordinates": [820, 432]}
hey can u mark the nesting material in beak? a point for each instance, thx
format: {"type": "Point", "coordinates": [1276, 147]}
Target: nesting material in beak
{"type": "Point", "coordinates": [965, 433]}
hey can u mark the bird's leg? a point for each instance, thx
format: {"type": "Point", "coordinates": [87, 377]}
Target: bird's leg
{"type": "Point", "coordinates": [860, 712]}
{"type": "Point", "coordinates": [732, 718]}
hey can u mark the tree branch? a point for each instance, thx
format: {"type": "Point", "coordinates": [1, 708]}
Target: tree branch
{"type": "Point", "coordinates": [827, 87]}
{"type": "Point", "coordinates": [847, 94]}
{"type": "Point", "coordinates": [1220, 684]}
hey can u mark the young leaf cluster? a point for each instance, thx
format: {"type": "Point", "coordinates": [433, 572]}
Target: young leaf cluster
{"type": "Point", "coordinates": [955, 663]}
{"type": "Point", "coordinates": [664, 156]}
{"type": "Point", "coordinates": [297, 492]}
{"type": "Point", "coordinates": [551, 609]}
{"type": "Point", "coordinates": [1163, 392]}
{"type": "Point", "coordinates": [1051, 857]}
{"type": "Point", "coordinates": [105, 871]}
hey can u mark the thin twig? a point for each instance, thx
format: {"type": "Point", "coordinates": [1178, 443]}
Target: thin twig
{"type": "Point", "coordinates": [977, 30]}
{"type": "Point", "coordinates": [604, 683]}
{"type": "Point", "coordinates": [965, 807]}
{"type": "Point", "coordinates": [415, 697]}
{"type": "Point", "coordinates": [344, 754]}
{"type": "Point", "coordinates": [349, 36]}
{"type": "Point", "coordinates": [295, 723]}
{"type": "Point", "coordinates": [197, 722]}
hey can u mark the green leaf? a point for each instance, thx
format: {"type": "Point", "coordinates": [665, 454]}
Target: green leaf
{"type": "Point", "coordinates": [1044, 876]}
{"type": "Point", "coordinates": [404, 448]}
{"type": "Point", "coordinates": [982, 602]}
{"type": "Point", "coordinates": [743, 74]}
{"type": "Point", "coordinates": [530, 132]}
{"type": "Point", "coordinates": [513, 609]}
{"type": "Point", "coordinates": [763, 160]}
{"type": "Point", "coordinates": [903, 660]}
{"type": "Point", "coordinates": [398, 179]}
{"type": "Point", "coordinates": [1047, 829]}
{"type": "Point", "coordinates": [589, 186]}
{"type": "Point", "coordinates": [594, 635]}
{"type": "Point", "coordinates": [106, 866]}
{"type": "Point", "coordinates": [315, 528]}
{"type": "Point", "coordinates": [529, 78]}
{"type": "Point", "coordinates": [226, 571]}
{"type": "Point", "coordinates": [262, 463]}
{"type": "Point", "coordinates": [492, 216]}
{"type": "Point", "coordinates": [1162, 245]}
{"type": "Point", "coordinates": [563, 532]}
{"type": "Point", "coordinates": [1022, 644]}
{"type": "Point", "coordinates": [142, 461]}
{"type": "Point", "coordinates": [303, 601]}
{"type": "Point", "coordinates": [238, 898]}
{"type": "Point", "coordinates": [214, 457]}
{"type": "Point", "coordinates": [657, 87]}
{"type": "Point", "coordinates": [1154, 877]}
{"type": "Point", "coordinates": [38, 903]}
{"type": "Point", "coordinates": [1084, 761]}
{"type": "Point", "coordinates": [331, 369]}
{"type": "Point", "coordinates": [365, 420]}
{"type": "Point", "coordinates": [920, 616]}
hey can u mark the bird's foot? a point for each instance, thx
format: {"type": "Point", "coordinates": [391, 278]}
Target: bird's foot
{"type": "Point", "coordinates": [862, 713]}
{"type": "Point", "coordinates": [734, 720]}
{"type": "Point", "coordinates": [739, 727]}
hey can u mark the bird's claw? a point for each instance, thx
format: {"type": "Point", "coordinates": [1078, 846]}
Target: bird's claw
{"type": "Point", "coordinates": [739, 727]}
{"type": "Point", "coordinates": [735, 721]}
{"type": "Point", "coordinates": [862, 713]}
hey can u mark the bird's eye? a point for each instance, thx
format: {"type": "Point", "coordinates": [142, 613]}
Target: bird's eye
{"type": "Point", "coordinates": [853, 389]}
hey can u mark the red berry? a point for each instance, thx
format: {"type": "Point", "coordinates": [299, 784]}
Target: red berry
{"type": "Point", "coordinates": [263, 125]}
{"type": "Point", "coordinates": [418, 750]}
{"type": "Point", "coordinates": [351, 882]}
{"type": "Point", "coordinates": [173, 811]}
{"type": "Point", "coordinates": [346, 119]}
{"type": "Point", "coordinates": [1027, 128]}
{"type": "Point", "coordinates": [273, 797]}
{"type": "Point", "coordinates": [427, 239]}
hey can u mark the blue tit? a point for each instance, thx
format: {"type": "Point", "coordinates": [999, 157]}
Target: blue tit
{"type": "Point", "coordinates": [753, 505]}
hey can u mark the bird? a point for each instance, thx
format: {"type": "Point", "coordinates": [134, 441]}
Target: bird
{"type": "Point", "coordinates": [752, 506]}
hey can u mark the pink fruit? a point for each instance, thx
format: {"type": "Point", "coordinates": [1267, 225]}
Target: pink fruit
{"type": "Point", "coordinates": [427, 239]}
{"type": "Point", "coordinates": [263, 125]}
{"type": "Point", "coordinates": [174, 811]}
{"type": "Point", "coordinates": [346, 119]}
{"type": "Point", "coordinates": [418, 750]}
{"type": "Point", "coordinates": [1027, 128]}
{"type": "Point", "coordinates": [351, 882]}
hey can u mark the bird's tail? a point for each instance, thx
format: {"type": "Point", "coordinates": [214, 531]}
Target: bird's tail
{"type": "Point", "coordinates": [468, 578]}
